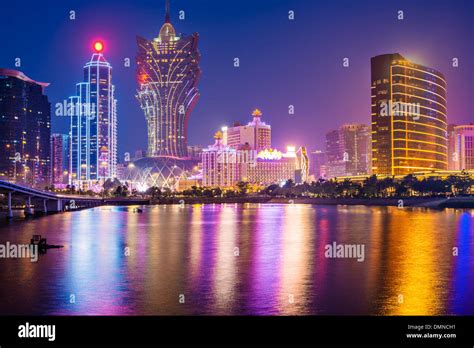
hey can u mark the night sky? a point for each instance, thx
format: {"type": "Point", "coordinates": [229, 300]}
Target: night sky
{"type": "Point", "coordinates": [282, 62]}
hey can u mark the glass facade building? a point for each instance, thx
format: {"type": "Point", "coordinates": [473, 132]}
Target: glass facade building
{"type": "Point", "coordinates": [463, 155]}
{"type": "Point", "coordinates": [409, 116]}
{"type": "Point", "coordinates": [348, 150]}
{"type": "Point", "coordinates": [25, 129]}
{"type": "Point", "coordinates": [94, 124]}
{"type": "Point", "coordinates": [60, 158]}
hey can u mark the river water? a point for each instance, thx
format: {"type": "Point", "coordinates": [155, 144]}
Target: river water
{"type": "Point", "coordinates": [251, 259]}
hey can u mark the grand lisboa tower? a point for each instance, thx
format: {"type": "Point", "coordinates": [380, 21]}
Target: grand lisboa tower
{"type": "Point", "coordinates": [167, 74]}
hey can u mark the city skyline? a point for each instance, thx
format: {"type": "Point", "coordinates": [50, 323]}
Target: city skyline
{"type": "Point", "coordinates": [241, 160]}
{"type": "Point", "coordinates": [223, 102]}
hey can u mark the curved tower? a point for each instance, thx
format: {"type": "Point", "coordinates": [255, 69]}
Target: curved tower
{"type": "Point", "coordinates": [409, 117]}
{"type": "Point", "coordinates": [167, 75]}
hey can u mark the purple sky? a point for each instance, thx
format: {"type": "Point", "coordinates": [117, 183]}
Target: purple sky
{"type": "Point", "coordinates": [283, 62]}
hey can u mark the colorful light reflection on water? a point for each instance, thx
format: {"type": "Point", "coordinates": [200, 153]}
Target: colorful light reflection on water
{"type": "Point", "coordinates": [247, 259]}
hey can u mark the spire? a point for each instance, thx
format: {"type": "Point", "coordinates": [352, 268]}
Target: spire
{"type": "Point", "coordinates": [218, 137]}
{"type": "Point", "coordinates": [167, 32]}
{"type": "Point", "coordinates": [257, 113]}
{"type": "Point", "coordinates": [167, 11]}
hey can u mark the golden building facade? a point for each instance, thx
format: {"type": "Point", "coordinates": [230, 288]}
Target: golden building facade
{"type": "Point", "coordinates": [409, 117]}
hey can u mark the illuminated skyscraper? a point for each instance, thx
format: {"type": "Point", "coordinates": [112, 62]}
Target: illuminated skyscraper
{"type": "Point", "coordinates": [348, 150]}
{"type": "Point", "coordinates": [168, 73]}
{"type": "Point", "coordinates": [317, 164]}
{"type": "Point", "coordinates": [409, 116]}
{"type": "Point", "coordinates": [60, 160]}
{"type": "Point", "coordinates": [257, 134]}
{"type": "Point", "coordinates": [463, 156]}
{"type": "Point", "coordinates": [221, 166]}
{"type": "Point", "coordinates": [452, 157]}
{"type": "Point", "coordinates": [94, 122]}
{"type": "Point", "coordinates": [25, 129]}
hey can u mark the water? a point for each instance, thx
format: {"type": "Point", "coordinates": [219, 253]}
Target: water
{"type": "Point", "coordinates": [243, 260]}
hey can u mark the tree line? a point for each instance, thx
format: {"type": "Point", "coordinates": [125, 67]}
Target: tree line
{"type": "Point", "coordinates": [371, 187]}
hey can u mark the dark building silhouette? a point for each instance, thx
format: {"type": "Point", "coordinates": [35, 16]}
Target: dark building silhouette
{"type": "Point", "coordinates": [25, 129]}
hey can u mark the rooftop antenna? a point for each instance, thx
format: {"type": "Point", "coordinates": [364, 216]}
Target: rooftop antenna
{"type": "Point", "coordinates": [167, 10]}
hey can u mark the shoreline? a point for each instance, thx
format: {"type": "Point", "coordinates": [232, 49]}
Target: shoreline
{"type": "Point", "coordinates": [463, 202]}
{"type": "Point", "coordinates": [428, 202]}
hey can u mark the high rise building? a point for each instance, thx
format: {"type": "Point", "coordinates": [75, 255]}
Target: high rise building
{"type": "Point", "coordinates": [275, 167]}
{"type": "Point", "coordinates": [452, 157]}
{"type": "Point", "coordinates": [224, 165]}
{"type": "Point", "coordinates": [348, 150]}
{"type": "Point", "coordinates": [221, 165]}
{"type": "Point", "coordinates": [93, 112]}
{"type": "Point", "coordinates": [317, 164]}
{"type": "Point", "coordinates": [463, 155]}
{"type": "Point", "coordinates": [25, 129]}
{"type": "Point", "coordinates": [168, 74]}
{"type": "Point", "coordinates": [60, 158]}
{"type": "Point", "coordinates": [335, 154]}
{"type": "Point", "coordinates": [356, 140]}
{"type": "Point", "coordinates": [409, 116]}
{"type": "Point", "coordinates": [257, 134]}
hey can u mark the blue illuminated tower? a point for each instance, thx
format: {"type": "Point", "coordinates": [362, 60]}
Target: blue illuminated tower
{"type": "Point", "coordinates": [94, 122]}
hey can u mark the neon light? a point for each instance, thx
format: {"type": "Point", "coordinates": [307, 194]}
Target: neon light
{"type": "Point", "coordinates": [422, 89]}
{"type": "Point", "coordinates": [421, 124]}
{"type": "Point", "coordinates": [417, 78]}
{"type": "Point", "coordinates": [418, 97]}
{"type": "Point", "coordinates": [98, 46]}
{"type": "Point", "coordinates": [419, 150]}
{"type": "Point", "coordinates": [421, 159]}
{"type": "Point", "coordinates": [415, 132]}
{"type": "Point", "coordinates": [270, 154]}
{"type": "Point", "coordinates": [420, 141]}
{"type": "Point", "coordinates": [423, 71]}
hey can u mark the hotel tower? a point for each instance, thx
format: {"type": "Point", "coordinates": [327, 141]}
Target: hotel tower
{"type": "Point", "coordinates": [94, 122]}
{"type": "Point", "coordinates": [167, 75]}
{"type": "Point", "coordinates": [25, 129]}
{"type": "Point", "coordinates": [409, 116]}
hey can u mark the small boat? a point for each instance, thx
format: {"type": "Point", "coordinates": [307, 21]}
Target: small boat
{"type": "Point", "coordinates": [42, 243]}
{"type": "Point", "coordinates": [138, 210]}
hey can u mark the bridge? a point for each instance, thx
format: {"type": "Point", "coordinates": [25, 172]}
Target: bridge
{"type": "Point", "coordinates": [45, 201]}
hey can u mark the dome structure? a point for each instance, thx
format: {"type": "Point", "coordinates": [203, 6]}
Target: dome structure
{"type": "Point", "coordinates": [162, 172]}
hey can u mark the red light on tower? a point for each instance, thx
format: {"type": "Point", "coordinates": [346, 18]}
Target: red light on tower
{"type": "Point", "coordinates": [98, 46]}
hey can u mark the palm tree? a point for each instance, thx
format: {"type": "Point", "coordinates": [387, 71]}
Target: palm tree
{"type": "Point", "coordinates": [369, 188]}
{"type": "Point", "coordinates": [154, 192]}
{"type": "Point", "coordinates": [243, 187]}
